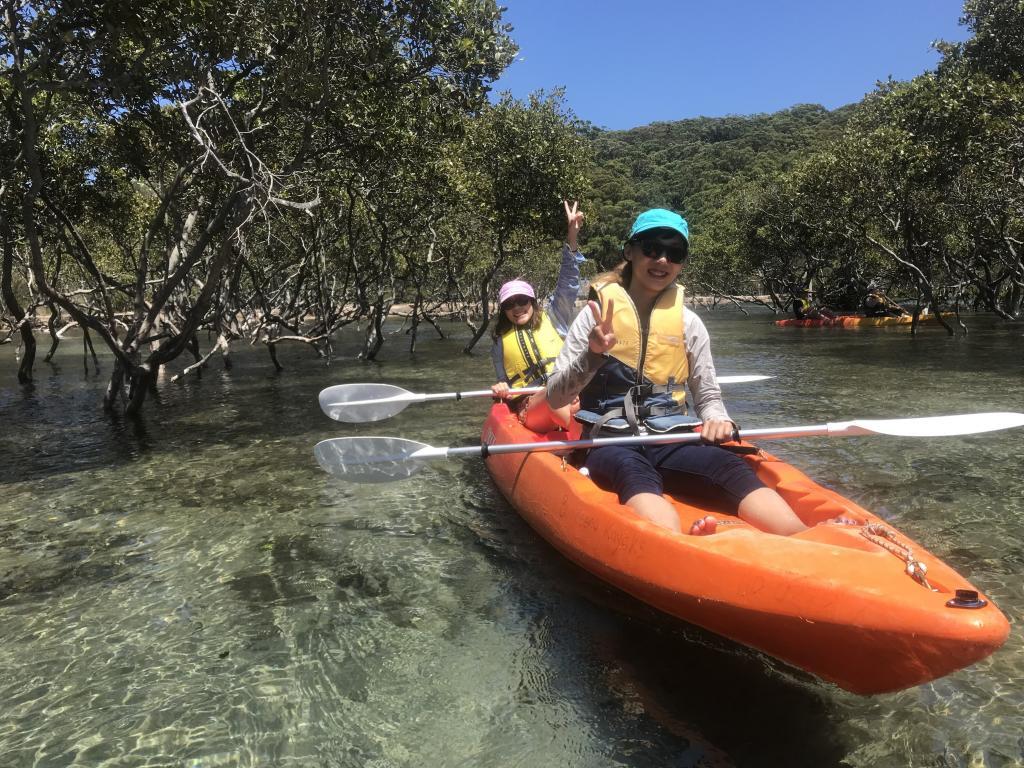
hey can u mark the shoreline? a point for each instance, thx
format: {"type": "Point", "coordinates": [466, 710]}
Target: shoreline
{"type": "Point", "coordinates": [453, 311]}
{"type": "Point", "coordinates": [402, 309]}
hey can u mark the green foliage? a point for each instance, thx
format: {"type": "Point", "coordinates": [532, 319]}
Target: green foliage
{"type": "Point", "coordinates": [519, 161]}
{"type": "Point", "coordinates": [170, 156]}
{"type": "Point", "coordinates": [996, 46]}
{"type": "Point", "coordinates": [695, 167]}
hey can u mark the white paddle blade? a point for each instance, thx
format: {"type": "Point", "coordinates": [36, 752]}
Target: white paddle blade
{"type": "Point", "coordinates": [360, 403]}
{"type": "Point", "coordinates": [742, 379]}
{"type": "Point", "coordinates": [934, 426]}
{"type": "Point", "coordinates": [369, 459]}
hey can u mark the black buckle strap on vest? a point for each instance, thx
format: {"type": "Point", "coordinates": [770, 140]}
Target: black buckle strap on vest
{"type": "Point", "coordinates": [536, 365]}
{"type": "Point", "coordinates": [532, 374]}
{"type": "Point", "coordinates": [614, 413]}
{"type": "Point", "coordinates": [665, 389]}
{"type": "Point", "coordinates": [635, 410]}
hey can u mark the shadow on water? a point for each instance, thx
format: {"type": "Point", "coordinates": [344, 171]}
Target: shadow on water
{"type": "Point", "coordinates": [719, 701]}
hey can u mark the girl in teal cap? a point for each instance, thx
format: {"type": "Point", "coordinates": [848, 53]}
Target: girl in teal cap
{"type": "Point", "coordinates": [628, 359]}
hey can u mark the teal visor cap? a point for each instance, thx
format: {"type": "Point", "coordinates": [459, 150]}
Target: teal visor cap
{"type": "Point", "coordinates": [657, 218]}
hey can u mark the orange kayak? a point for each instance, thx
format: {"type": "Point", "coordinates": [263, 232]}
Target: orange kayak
{"type": "Point", "coordinates": [862, 606]}
{"type": "Point", "coordinates": [854, 321]}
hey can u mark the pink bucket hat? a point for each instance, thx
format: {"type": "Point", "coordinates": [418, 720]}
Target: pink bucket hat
{"type": "Point", "coordinates": [515, 288]}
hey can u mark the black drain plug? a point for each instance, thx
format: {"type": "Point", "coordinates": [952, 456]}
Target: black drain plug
{"type": "Point", "coordinates": [966, 598]}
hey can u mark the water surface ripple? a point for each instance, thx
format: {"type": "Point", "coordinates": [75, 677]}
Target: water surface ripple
{"type": "Point", "coordinates": [191, 590]}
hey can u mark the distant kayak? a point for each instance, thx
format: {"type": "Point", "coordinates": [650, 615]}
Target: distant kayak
{"type": "Point", "coordinates": [863, 606]}
{"type": "Point", "coordinates": [855, 321]}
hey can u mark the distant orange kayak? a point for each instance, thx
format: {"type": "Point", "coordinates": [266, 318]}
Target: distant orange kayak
{"type": "Point", "coordinates": [854, 321]}
{"type": "Point", "coordinates": [842, 602]}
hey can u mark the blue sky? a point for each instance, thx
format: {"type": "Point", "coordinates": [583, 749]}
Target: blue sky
{"type": "Point", "coordinates": [628, 63]}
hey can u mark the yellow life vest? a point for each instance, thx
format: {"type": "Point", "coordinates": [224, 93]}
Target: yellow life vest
{"type": "Point", "coordinates": [529, 355]}
{"type": "Point", "coordinates": [662, 354]}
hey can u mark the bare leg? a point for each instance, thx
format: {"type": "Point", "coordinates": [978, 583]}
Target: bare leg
{"type": "Point", "coordinates": [656, 509]}
{"type": "Point", "coordinates": [537, 416]}
{"type": "Point", "coordinates": [562, 416]}
{"type": "Point", "coordinates": [541, 417]}
{"type": "Point", "coordinates": [765, 509]}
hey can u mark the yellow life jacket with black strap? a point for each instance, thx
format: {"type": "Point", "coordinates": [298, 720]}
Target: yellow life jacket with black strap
{"type": "Point", "coordinates": [647, 368]}
{"type": "Point", "coordinates": [529, 355]}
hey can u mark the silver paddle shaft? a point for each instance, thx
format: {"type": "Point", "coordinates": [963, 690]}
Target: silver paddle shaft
{"type": "Point", "coordinates": [421, 397]}
{"type": "Point", "coordinates": [845, 428]}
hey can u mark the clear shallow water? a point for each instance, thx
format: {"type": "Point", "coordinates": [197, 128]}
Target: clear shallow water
{"type": "Point", "coordinates": [194, 591]}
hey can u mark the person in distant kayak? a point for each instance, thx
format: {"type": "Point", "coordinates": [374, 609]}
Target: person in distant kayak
{"type": "Point", "coordinates": [877, 304]}
{"type": "Point", "coordinates": [527, 339]}
{"type": "Point", "coordinates": [627, 357]}
{"type": "Point", "coordinates": [806, 309]}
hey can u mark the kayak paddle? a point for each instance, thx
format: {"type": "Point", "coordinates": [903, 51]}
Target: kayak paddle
{"type": "Point", "coordinates": [382, 459]}
{"type": "Point", "coordinates": [358, 403]}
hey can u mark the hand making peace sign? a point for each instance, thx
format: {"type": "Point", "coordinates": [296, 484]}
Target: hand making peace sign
{"type": "Point", "coordinates": [602, 335]}
{"type": "Point", "coordinates": [574, 220]}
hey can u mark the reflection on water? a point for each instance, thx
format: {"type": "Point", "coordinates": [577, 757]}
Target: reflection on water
{"type": "Point", "coordinates": [193, 590]}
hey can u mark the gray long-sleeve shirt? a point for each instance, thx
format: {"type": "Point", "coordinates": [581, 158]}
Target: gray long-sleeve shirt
{"type": "Point", "coordinates": [576, 366]}
{"type": "Point", "coordinates": [561, 304]}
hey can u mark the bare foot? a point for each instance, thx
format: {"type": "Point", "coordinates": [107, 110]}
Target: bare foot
{"type": "Point", "coordinates": [704, 527]}
{"type": "Point", "coordinates": [841, 521]}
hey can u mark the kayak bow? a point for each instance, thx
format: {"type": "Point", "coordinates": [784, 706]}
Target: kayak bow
{"type": "Point", "coordinates": [862, 606]}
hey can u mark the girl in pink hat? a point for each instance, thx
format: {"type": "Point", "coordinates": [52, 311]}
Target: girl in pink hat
{"type": "Point", "coordinates": [527, 339]}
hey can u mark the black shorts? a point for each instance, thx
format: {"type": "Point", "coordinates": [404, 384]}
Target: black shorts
{"type": "Point", "coordinates": [695, 471]}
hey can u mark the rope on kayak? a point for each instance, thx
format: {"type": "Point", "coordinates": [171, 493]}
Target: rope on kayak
{"type": "Point", "coordinates": [886, 539]}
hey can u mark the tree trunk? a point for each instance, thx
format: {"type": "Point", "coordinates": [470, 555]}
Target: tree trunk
{"type": "Point", "coordinates": [113, 393]}
{"type": "Point", "coordinates": [21, 318]}
{"type": "Point", "coordinates": [87, 349]}
{"type": "Point", "coordinates": [485, 297]}
{"type": "Point", "coordinates": [485, 321]}
{"type": "Point", "coordinates": [51, 325]}
{"type": "Point", "coordinates": [141, 382]}
{"type": "Point", "coordinates": [375, 331]}
{"type": "Point", "coordinates": [415, 322]}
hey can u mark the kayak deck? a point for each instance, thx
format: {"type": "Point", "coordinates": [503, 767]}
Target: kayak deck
{"type": "Point", "coordinates": [834, 600]}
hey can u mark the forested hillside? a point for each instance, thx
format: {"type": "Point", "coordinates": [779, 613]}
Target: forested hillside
{"type": "Point", "coordinates": [693, 166]}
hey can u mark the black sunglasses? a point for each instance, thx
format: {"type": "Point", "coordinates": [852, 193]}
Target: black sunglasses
{"type": "Point", "coordinates": [653, 249]}
{"type": "Point", "coordinates": [515, 301]}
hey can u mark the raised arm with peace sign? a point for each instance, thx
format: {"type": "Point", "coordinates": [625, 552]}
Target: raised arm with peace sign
{"type": "Point", "coordinates": [574, 220]}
